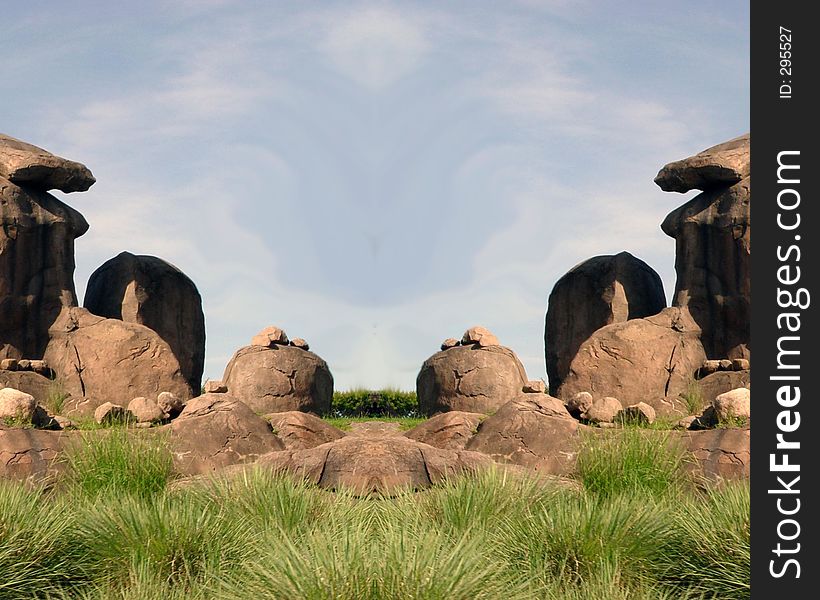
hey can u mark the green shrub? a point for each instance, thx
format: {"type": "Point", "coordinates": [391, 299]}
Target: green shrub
{"type": "Point", "coordinates": [378, 403]}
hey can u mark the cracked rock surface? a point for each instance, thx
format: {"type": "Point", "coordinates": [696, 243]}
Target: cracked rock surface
{"type": "Point", "coordinates": [299, 430]}
{"type": "Point", "coordinates": [720, 454]}
{"type": "Point", "coordinates": [29, 455]}
{"type": "Point", "coordinates": [470, 379]}
{"type": "Point", "coordinates": [279, 379]}
{"type": "Point", "coordinates": [650, 360]}
{"type": "Point", "coordinates": [450, 430]}
{"type": "Point", "coordinates": [99, 360]}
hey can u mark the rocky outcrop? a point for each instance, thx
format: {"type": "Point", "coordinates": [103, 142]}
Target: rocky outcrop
{"type": "Point", "coordinates": [720, 454]}
{"type": "Point", "coordinates": [595, 293]}
{"type": "Point", "coordinates": [217, 430]}
{"type": "Point", "coordinates": [711, 386]}
{"type": "Point", "coordinates": [30, 455]}
{"type": "Point", "coordinates": [98, 360]}
{"type": "Point", "coordinates": [33, 167]}
{"type": "Point", "coordinates": [379, 466]}
{"type": "Point", "coordinates": [278, 378]}
{"type": "Point", "coordinates": [299, 430]}
{"type": "Point", "coordinates": [532, 430]}
{"type": "Point", "coordinates": [149, 291]}
{"type": "Point", "coordinates": [713, 245]}
{"type": "Point", "coordinates": [470, 378]}
{"type": "Point", "coordinates": [450, 430]}
{"type": "Point", "coordinates": [42, 388]}
{"type": "Point", "coordinates": [650, 360]}
{"type": "Point", "coordinates": [37, 234]}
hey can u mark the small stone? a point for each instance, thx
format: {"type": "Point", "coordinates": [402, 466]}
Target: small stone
{"type": "Point", "coordinates": [685, 422]}
{"type": "Point", "coordinates": [109, 413]}
{"type": "Point", "coordinates": [603, 410]}
{"type": "Point", "coordinates": [706, 420]}
{"type": "Point", "coordinates": [535, 386]}
{"type": "Point", "coordinates": [40, 367]}
{"type": "Point", "coordinates": [64, 422]}
{"type": "Point", "coordinates": [146, 410]}
{"type": "Point", "coordinates": [215, 386]}
{"type": "Point", "coordinates": [480, 336]}
{"type": "Point", "coordinates": [170, 403]}
{"type": "Point", "coordinates": [579, 404]}
{"type": "Point", "coordinates": [300, 343]}
{"type": "Point", "coordinates": [725, 364]}
{"type": "Point", "coordinates": [8, 364]}
{"type": "Point", "coordinates": [16, 405]}
{"type": "Point", "coordinates": [640, 413]}
{"type": "Point", "coordinates": [709, 367]}
{"type": "Point", "coordinates": [449, 343]}
{"type": "Point", "coordinates": [606, 425]}
{"type": "Point", "coordinates": [143, 424]}
{"type": "Point", "coordinates": [740, 364]}
{"type": "Point", "coordinates": [270, 336]}
{"type": "Point", "coordinates": [24, 365]}
{"type": "Point", "coordinates": [734, 404]}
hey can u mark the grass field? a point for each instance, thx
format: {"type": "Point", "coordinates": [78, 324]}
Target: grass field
{"type": "Point", "coordinates": [638, 531]}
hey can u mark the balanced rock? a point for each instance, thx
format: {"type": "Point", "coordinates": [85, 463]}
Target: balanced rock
{"type": "Point", "coordinates": [449, 343]}
{"type": "Point", "coordinates": [713, 264]}
{"type": "Point", "coordinates": [279, 378]}
{"type": "Point", "coordinates": [449, 430]}
{"type": "Point", "coordinates": [30, 166]}
{"type": "Point", "coordinates": [149, 291]}
{"type": "Point", "coordinates": [595, 293]}
{"type": "Point", "coordinates": [299, 430]}
{"type": "Point", "coordinates": [532, 430]}
{"type": "Point", "coordinates": [96, 359]}
{"type": "Point", "coordinates": [721, 165]}
{"type": "Point", "coordinates": [217, 430]}
{"type": "Point", "coordinates": [37, 234]}
{"type": "Point", "coordinates": [471, 378]}
{"type": "Point", "coordinates": [734, 404]}
{"type": "Point", "coordinates": [300, 343]}
{"type": "Point", "coordinates": [269, 337]}
{"type": "Point", "coordinates": [650, 360]}
{"type": "Point", "coordinates": [479, 335]}
{"type": "Point", "coordinates": [16, 405]}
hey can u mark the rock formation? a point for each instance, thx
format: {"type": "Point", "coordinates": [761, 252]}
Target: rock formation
{"type": "Point", "coordinates": [713, 244]}
{"type": "Point", "coordinates": [471, 378]}
{"type": "Point", "coordinates": [450, 430]}
{"type": "Point", "coordinates": [650, 360]}
{"type": "Point", "coordinates": [149, 291]}
{"type": "Point", "coordinates": [299, 430]}
{"type": "Point", "coordinates": [276, 377]}
{"type": "Point", "coordinates": [599, 291]}
{"type": "Point", "coordinates": [35, 168]}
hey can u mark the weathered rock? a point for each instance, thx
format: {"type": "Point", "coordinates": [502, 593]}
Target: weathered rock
{"type": "Point", "coordinates": [380, 465]}
{"type": "Point", "coordinates": [8, 364]}
{"type": "Point", "coordinates": [30, 455]}
{"type": "Point", "coordinates": [269, 337]}
{"type": "Point", "coordinates": [470, 378]}
{"type": "Point", "coordinates": [532, 430]}
{"type": "Point", "coordinates": [149, 291]}
{"type": "Point", "coordinates": [146, 410]}
{"type": "Point", "coordinates": [535, 386]}
{"type": "Point", "coordinates": [97, 359]}
{"type": "Point", "coordinates": [213, 386]}
{"type": "Point", "coordinates": [31, 383]}
{"type": "Point", "coordinates": [449, 343]}
{"type": "Point", "coordinates": [725, 364]}
{"type": "Point", "coordinates": [216, 430]}
{"type": "Point", "coordinates": [685, 422]}
{"type": "Point", "coordinates": [579, 404]}
{"type": "Point", "coordinates": [603, 410]}
{"type": "Point", "coordinates": [24, 364]}
{"type": "Point", "coordinates": [740, 364]}
{"type": "Point", "coordinates": [734, 404]}
{"type": "Point", "coordinates": [709, 367]}
{"type": "Point", "coordinates": [300, 343]}
{"type": "Point", "coordinates": [64, 422]}
{"type": "Point", "coordinates": [720, 454]}
{"type": "Point", "coordinates": [718, 166]}
{"type": "Point", "coordinates": [712, 386]}
{"type": "Point", "coordinates": [450, 430]}
{"type": "Point", "coordinates": [37, 234]}
{"type": "Point", "coordinates": [713, 263]}
{"type": "Point", "coordinates": [108, 414]}
{"type": "Point", "coordinates": [640, 413]}
{"type": "Point", "coordinates": [650, 360]}
{"type": "Point", "coordinates": [299, 430]}
{"type": "Point", "coordinates": [30, 166]}
{"type": "Point", "coordinates": [279, 379]}
{"type": "Point", "coordinates": [16, 405]}
{"type": "Point", "coordinates": [595, 293]}
{"type": "Point", "coordinates": [375, 428]}
{"type": "Point", "coordinates": [707, 419]}
{"type": "Point", "coordinates": [40, 367]}
{"type": "Point", "coordinates": [170, 404]}
{"type": "Point", "coordinates": [479, 335]}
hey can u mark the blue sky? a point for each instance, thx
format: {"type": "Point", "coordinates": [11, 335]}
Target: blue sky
{"type": "Point", "coordinates": [375, 176]}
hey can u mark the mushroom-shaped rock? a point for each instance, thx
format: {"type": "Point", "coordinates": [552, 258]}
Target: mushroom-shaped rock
{"type": "Point", "coordinates": [300, 343]}
{"type": "Point", "coordinates": [450, 430]}
{"type": "Point", "coordinates": [279, 378]}
{"type": "Point", "coordinates": [713, 264]}
{"type": "Point", "coordinates": [299, 430]}
{"type": "Point", "coordinates": [97, 359]}
{"type": "Point", "coordinates": [470, 378]}
{"type": "Point", "coordinates": [37, 234]}
{"type": "Point", "coordinates": [149, 291]}
{"type": "Point", "coordinates": [30, 166]}
{"type": "Point", "coordinates": [650, 360]}
{"type": "Point", "coordinates": [376, 465]}
{"type": "Point", "coordinates": [599, 291]}
{"type": "Point", "coordinates": [532, 430]}
{"type": "Point", "coordinates": [720, 165]}
{"type": "Point", "coordinates": [217, 430]}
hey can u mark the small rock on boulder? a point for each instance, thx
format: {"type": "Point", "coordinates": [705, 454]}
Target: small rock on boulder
{"type": "Point", "coordinates": [579, 404]}
{"type": "Point", "coordinates": [299, 430]}
{"type": "Point", "coordinates": [479, 335]}
{"type": "Point", "coordinates": [449, 343]}
{"type": "Point", "coordinates": [450, 430]}
{"type": "Point", "coordinates": [721, 165]}
{"type": "Point", "coordinates": [269, 337]}
{"type": "Point", "coordinates": [213, 386]}
{"type": "Point", "coordinates": [28, 165]}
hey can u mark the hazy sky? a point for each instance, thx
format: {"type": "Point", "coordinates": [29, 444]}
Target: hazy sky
{"type": "Point", "coordinates": [375, 176]}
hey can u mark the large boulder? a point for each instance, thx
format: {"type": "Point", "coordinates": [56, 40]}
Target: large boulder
{"type": "Point", "coordinates": [149, 291]}
{"type": "Point", "coordinates": [597, 292]}
{"type": "Point", "coordinates": [299, 430]}
{"type": "Point", "coordinates": [98, 360]}
{"type": "Point", "coordinates": [16, 406]}
{"type": "Point", "coordinates": [217, 430]}
{"type": "Point", "coordinates": [30, 455]}
{"type": "Point", "coordinates": [30, 166]}
{"type": "Point", "coordinates": [650, 360]}
{"type": "Point", "coordinates": [533, 431]}
{"type": "Point", "coordinates": [37, 234]}
{"type": "Point", "coordinates": [721, 165]}
{"type": "Point", "coordinates": [279, 378]}
{"type": "Point", "coordinates": [713, 263]}
{"type": "Point", "coordinates": [720, 454]}
{"type": "Point", "coordinates": [449, 430]}
{"type": "Point", "coordinates": [376, 465]}
{"type": "Point", "coordinates": [472, 378]}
